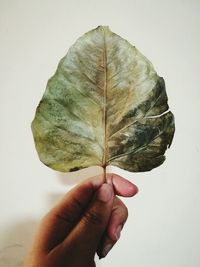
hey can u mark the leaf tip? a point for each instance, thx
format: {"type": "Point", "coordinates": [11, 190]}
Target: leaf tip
{"type": "Point", "coordinates": [103, 28]}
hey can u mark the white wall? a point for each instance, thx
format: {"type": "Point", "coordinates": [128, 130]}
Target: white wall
{"type": "Point", "coordinates": [164, 218]}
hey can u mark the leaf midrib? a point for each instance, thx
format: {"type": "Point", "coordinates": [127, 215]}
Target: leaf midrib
{"type": "Point", "coordinates": [104, 163]}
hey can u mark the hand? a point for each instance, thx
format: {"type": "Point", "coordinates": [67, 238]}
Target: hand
{"type": "Point", "coordinates": [89, 219]}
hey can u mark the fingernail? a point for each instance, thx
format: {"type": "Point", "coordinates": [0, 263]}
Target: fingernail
{"type": "Point", "coordinates": [106, 249]}
{"type": "Point", "coordinates": [105, 193]}
{"type": "Point", "coordinates": [118, 232]}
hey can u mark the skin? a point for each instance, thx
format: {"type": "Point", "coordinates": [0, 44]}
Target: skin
{"type": "Point", "coordinates": [88, 220]}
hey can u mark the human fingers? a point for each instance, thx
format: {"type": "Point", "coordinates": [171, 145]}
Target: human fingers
{"type": "Point", "coordinates": [57, 224]}
{"type": "Point", "coordinates": [86, 235]}
{"type": "Point", "coordinates": [117, 220]}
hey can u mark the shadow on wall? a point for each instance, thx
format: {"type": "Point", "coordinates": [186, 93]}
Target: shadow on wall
{"type": "Point", "coordinates": [16, 241]}
{"type": "Point", "coordinates": [72, 178]}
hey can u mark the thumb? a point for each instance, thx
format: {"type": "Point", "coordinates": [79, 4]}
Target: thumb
{"type": "Point", "coordinates": [87, 234]}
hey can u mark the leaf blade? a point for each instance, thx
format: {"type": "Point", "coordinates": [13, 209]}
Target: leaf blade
{"type": "Point", "coordinates": [103, 93]}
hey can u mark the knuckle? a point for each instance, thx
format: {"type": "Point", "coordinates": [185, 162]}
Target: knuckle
{"type": "Point", "coordinates": [77, 204]}
{"type": "Point", "coordinates": [120, 210]}
{"type": "Point", "coordinates": [125, 212]}
{"type": "Point", "coordinates": [123, 209]}
{"type": "Point", "coordinates": [65, 218]}
{"type": "Point", "coordinates": [92, 217]}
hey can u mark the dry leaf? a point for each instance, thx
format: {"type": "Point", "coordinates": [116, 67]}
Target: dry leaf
{"type": "Point", "coordinates": [105, 105]}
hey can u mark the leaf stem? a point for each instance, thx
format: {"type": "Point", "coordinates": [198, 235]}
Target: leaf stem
{"type": "Point", "coordinates": [104, 173]}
